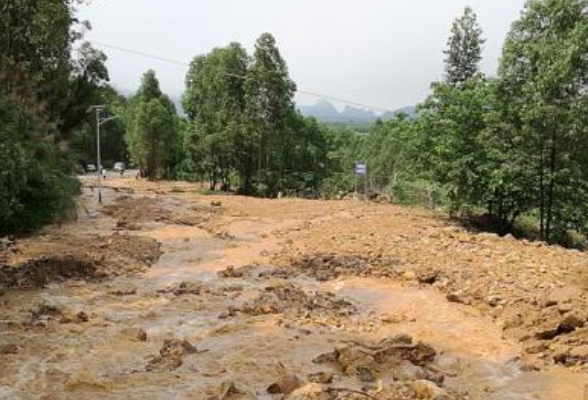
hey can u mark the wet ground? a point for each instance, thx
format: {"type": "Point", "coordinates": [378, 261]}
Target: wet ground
{"type": "Point", "coordinates": [211, 318]}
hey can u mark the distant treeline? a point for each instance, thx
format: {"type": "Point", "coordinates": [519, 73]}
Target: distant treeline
{"type": "Point", "coordinates": [510, 146]}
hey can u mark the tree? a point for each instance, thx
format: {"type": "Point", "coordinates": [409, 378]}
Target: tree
{"type": "Point", "coordinates": [451, 122]}
{"type": "Point", "coordinates": [542, 97]}
{"type": "Point", "coordinates": [464, 49]}
{"type": "Point", "coordinates": [44, 94]}
{"type": "Point", "coordinates": [270, 106]}
{"type": "Point", "coordinates": [215, 102]}
{"type": "Point", "coordinates": [152, 135]}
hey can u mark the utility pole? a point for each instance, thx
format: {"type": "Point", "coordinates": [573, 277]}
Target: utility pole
{"type": "Point", "coordinates": [99, 123]}
{"type": "Point", "coordinates": [98, 158]}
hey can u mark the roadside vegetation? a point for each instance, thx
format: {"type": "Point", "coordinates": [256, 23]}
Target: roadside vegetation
{"type": "Point", "coordinates": [505, 151]}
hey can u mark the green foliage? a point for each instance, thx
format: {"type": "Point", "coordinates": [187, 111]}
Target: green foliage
{"type": "Point", "coordinates": [37, 188]}
{"type": "Point", "coordinates": [243, 127]}
{"type": "Point", "coordinates": [541, 112]}
{"type": "Point", "coordinates": [152, 135]}
{"type": "Point", "coordinates": [464, 49]}
{"type": "Point", "coordinates": [451, 125]}
{"type": "Point", "coordinates": [513, 145]}
{"type": "Point", "coordinates": [44, 96]}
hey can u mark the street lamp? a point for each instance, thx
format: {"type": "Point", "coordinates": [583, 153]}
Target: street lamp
{"type": "Point", "coordinates": [99, 122]}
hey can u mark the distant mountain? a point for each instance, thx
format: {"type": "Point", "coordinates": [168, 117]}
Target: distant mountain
{"type": "Point", "coordinates": [357, 114]}
{"type": "Point", "coordinates": [410, 111]}
{"type": "Point", "coordinates": [325, 111]}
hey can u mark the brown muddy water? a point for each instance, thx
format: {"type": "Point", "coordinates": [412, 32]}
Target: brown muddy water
{"type": "Point", "coordinates": [114, 354]}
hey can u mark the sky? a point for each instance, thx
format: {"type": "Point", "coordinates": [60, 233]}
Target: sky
{"type": "Point", "coordinates": [381, 53]}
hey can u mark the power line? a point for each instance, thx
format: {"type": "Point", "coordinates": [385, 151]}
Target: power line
{"type": "Point", "coordinates": [184, 64]}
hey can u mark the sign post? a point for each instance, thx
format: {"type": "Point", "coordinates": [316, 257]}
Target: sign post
{"type": "Point", "coordinates": [361, 170]}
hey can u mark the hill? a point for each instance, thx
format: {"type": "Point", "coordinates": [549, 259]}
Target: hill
{"type": "Point", "coordinates": [325, 111]}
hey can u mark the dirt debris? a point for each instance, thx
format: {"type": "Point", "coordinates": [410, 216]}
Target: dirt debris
{"type": "Point", "coordinates": [368, 361]}
{"type": "Point", "coordinates": [283, 297]}
{"type": "Point", "coordinates": [45, 312]}
{"type": "Point", "coordinates": [550, 315]}
{"type": "Point", "coordinates": [185, 288]}
{"type": "Point", "coordinates": [171, 356]}
{"type": "Point", "coordinates": [85, 258]}
{"type": "Point", "coordinates": [133, 213]}
{"type": "Point", "coordinates": [231, 272]}
{"type": "Point", "coordinates": [410, 365]}
{"type": "Point", "coordinates": [134, 334]}
{"type": "Point", "coordinates": [328, 266]}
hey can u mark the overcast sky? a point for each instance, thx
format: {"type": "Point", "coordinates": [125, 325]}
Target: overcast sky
{"type": "Point", "coordinates": [383, 53]}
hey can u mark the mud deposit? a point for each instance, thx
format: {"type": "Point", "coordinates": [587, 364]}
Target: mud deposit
{"type": "Point", "coordinates": [165, 294]}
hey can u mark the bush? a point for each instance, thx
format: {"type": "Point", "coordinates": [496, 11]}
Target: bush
{"type": "Point", "coordinates": [419, 193]}
{"type": "Point", "coordinates": [36, 180]}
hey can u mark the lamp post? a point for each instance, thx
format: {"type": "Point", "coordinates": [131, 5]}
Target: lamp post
{"type": "Point", "coordinates": [99, 122]}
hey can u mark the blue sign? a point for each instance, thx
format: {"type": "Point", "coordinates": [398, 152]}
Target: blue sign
{"type": "Point", "coordinates": [361, 169]}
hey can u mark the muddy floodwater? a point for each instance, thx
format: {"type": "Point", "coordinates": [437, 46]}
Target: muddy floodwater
{"type": "Point", "coordinates": [210, 318]}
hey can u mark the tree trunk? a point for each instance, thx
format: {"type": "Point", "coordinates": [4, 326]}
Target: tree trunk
{"type": "Point", "coordinates": [551, 191]}
{"type": "Point", "coordinates": [542, 195]}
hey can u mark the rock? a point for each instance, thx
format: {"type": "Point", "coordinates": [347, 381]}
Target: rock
{"type": "Point", "coordinates": [409, 275]}
{"type": "Point", "coordinates": [231, 272]}
{"type": "Point", "coordinates": [285, 385]}
{"type": "Point", "coordinates": [228, 390]}
{"type": "Point", "coordinates": [135, 334]}
{"type": "Point", "coordinates": [170, 356]}
{"type": "Point", "coordinates": [216, 203]}
{"type": "Point", "coordinates": [8, 349]}
{"type": "Point", "coordinates": [183, 345]}
{"type": "Point", "coordinates": [579, 353]}
{"type": "Point", "coordinates": [456, 297]}
{"type": "Point", "coordinates": [573, 320]}
{"type": "Point", "coordinates": [185, 288]}
{"type": "Point", "coordinates": [312, 391]}
{"type": "Point", "coordinates": [428, 277]}
{"type": "Point", "coordinates": [407, 371]}
{"type": "Point", "coordinates": [562, 295]}
{"type": "Point", "coordinates": [123, 290]}
{"type": "Point", "coordinates": [429, 391]}
{"type": "Point", "coordinates": [69, 318]}
{"type": "Point", "coordinates": [365, 374]}
{"type": "Point", "coordinates": [513, 322]}
{"type": "Point", "coordinates": [560, 353]}
{"type": "Point", "coordinates": [492, 301]}
{"type": "Point", "coordinates": [321, 377]}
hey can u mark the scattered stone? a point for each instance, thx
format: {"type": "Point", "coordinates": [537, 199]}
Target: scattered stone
{"type": "Point", "coordinates": [369, 362]}
{"type": "Point", "coordinates": [456, 297]}
{"type": "Point", "coordinates": [428, 277]}
{"type": "Point", "coordinates": [321, 377]}
{"type": "Point", "coordinates": [170, 355]}
{"type": "Point", "coordinates": [135, 334]}
{"type": "Point", "coordinates": [286, 384]}
{"type": "Point", "coordinates": [325, 267]}
{"type": "Point", "coordinates": [123, 290]}
{"type": "Point", "coordinates": [185, 288]}
{"type": "Point", "coordinates": [229, 391]}
{"type": "Point", "coordinates": [428, 390]}
{"type": "Point", "coordinates": [231, 272]}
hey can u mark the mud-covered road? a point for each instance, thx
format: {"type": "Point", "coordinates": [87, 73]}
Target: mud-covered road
{"type": "Point", "coordinates": [162, 293]}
